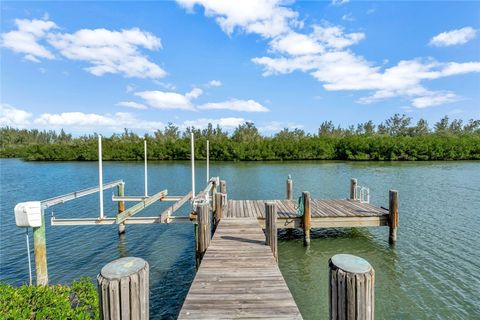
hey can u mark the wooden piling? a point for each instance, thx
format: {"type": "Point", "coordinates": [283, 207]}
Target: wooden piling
{"type": "Point", "coordinates": [223, 186]}
{"type": "Point", "coordinates": [353, 189]}
{"type": "Point", "coordinates": [204, 230]}
{"type": "Point", "coordinates": [351, 288]}
{"type": "Point", "coordinates": [40, 251]}
{"type": "Point", "coordinates": [306, 218]}
{"type": "Point", "coordinates": [289, 188]}
{"type": "Point", "coordinates": [121, 207]}
{"type": "Point", "coordinates": [393, 216]}
{"type": "Point", "coordinates": [218, 208]}
{"type": "Point", "coordinates": [123, 289]}
{"type": "Point", "coordinates": [271, 228]}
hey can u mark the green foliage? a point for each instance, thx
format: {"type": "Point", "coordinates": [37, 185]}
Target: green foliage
{"type": "Point", "coordinates": [78, 301]}
{"type": "Point", "coordinates": [394, 139]}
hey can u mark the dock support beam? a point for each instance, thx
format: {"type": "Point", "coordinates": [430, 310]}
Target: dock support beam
{"type": "Point", "coordinates": [289, 188]}
{"type": "Point", "coordinates": [306, 218]}
{"type": "Point", "coordinates": [271, 228]}
{"type": "Point", "coordinates": [353, 189]}
{"type": "Point", "coordinates": [123, 289]}
{"type": "Point", "coordinates": [40, 251]}
{"type": "Point", "coordinates": [218, 208]}
{"type": "Point", "coordinates": [121, 207]}
{"type": "Point", "coordinates": [223, 186]}
{"type": "Point", "coordinates": [351, 288]}
{"type": "Point", "coordinates": [393, 216]}
{"type": "Point", "coordinates": [204, 230]}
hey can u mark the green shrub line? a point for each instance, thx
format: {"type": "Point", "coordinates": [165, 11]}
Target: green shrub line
{"type": "Point", "coordinates": [78, 300]}
{"type": "Point", "coordinates": [392, 140]}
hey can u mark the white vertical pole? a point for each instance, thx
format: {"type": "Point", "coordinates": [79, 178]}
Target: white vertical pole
{"type": "Point", "coordinates": [208, 161]}
{"type": "Point", "coordinates": [29, 260]}
{"type": "Point", "coordinates": [192, 153]}
{"type": "Point", "coordinates": [100, 175]}
{"type": "Point", "coordinates": [146, 177]}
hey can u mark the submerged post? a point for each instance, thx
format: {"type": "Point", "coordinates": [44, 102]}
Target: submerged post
{"type": "Point", "coordinates": [123, 289]}
{"type": "Point", "coordinates": [393, 216]}
{"type": "Point", "coordinates": [353, 189]}
{"type": "Point", "coordinates": [204, 230]}
{"type": "Point", "coordinates": [306, 218]}
{"type": "Point", "coordinates": [223, 186]}
{"type": "Point", "coordinates": [40, 252]}
{"type": "Point", "coordinates": [271, 228]}
{"type": "Point", "coordinates": [351, 288]}
{"type": "Point", "coordinates": [121, 206]}
{"type": "Point", "coordinates": [289, 188]}
{"type": "Point", "coordinates": [218, 208]}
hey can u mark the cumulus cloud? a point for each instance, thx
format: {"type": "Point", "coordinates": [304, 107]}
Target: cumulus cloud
{"type": "Point", "coordinates": [107, 51]}
{"type": "Point", "coordinates": [325, 53]}
{"type": "Point", "coordinates": [79, 121]}
{"type": "Point", "coordinates": [214, 83]}
{"type": "Point", "coordinates": [170, 100]}
{"type": "Point", "coordinates": [226, 123]}
{"type": "Point", "coordinates": [453, 37]}
{"type": "Point", "coordinates": [235, 105]}
{"type": "Point", "coordinates": [276, 126]}
{"type": "Point", "coordinates": [13, 117]}
{"type": "Point", "coordinates": [268, 18]}
{"type": "Point", "coordinates": [132, 104]}
{"type": "Point", "coordinates": [27, 37]}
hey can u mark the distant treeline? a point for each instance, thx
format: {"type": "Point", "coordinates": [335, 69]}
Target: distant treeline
{"type": "Point", "coordinates": [394, 139]}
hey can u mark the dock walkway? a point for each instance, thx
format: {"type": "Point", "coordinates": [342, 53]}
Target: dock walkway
{"type": "Point", "coordinates": [239, 277]}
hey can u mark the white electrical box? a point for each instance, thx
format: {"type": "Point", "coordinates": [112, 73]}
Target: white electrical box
{"type": "Point", "coordinates": [28, 214]}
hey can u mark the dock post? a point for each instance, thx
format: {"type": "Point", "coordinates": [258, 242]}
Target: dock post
{"type": "Point", "coordinates": [218, 208]}
{"type": "Point", "coordinates": [289, 188]}
{"type": "Point", "coordinates": [204, 230]}
{"type": "Point", "coordinates": [271, 228]}
{"type": "Point", "coordinates": [353, 189]}
{"type": "Point", "coordinates": [123, 289]}
{"type": "Point", "coordinates": [223, 186]}
{"type": "Point", "coordinates": [393, 216]}
{"type": "Point", "coordinates": [306, 218]}
{"type": "Point", "coordinates": [121, 207]}
{"type": "Point", "coordinates": [40, 251]}
{"type": "Point", "coordinates": [351, 288]}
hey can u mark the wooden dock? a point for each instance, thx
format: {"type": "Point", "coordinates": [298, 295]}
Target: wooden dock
{"type": "Point", "coordinates": [324, 213]}
{"type": "Point", "coordinates": [239, 277]}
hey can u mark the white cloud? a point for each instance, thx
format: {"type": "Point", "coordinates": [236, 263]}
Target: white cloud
{"type": "Point", "coordinates": [294, 43]}
{"type": "Point", "coordinates": [79, 121]}
{"type": "Point", "coordinates": [130, 88]}
{"type": "Point", "coordinates": [235, 105]}
{"type": "Point", "coordinates": [434, 98]}
{"type": "Point", "coordinates": [276, 126]}
{"type": "Point", "coordinates": [214, 83]}
{"type": "Point", "coordinates": [13, 117]}
{"type": "Point", "coordinates": [170, 100]}
{"type": "Point", "coordinates": [226, 123]}
{"type": "Point", "coordinates": [107, 51]}
{"type": "Point", "coordinates": [339, 2]}
{"type": "Point", "coordinates": [110, 51]}
{"type": "Point", "coordinates": [348, 17]}
{"type": "Point", "coordinates": [26, 39]}
{"type": "Point", "coordinates": [132, 104]}
{"type": "Point", "coordinates": [453, 37]}
{"type": "Point", "coordinates": [267, 18]}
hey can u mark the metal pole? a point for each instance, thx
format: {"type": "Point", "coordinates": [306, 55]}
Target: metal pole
{"type": "Point", "coordinates": [146, 178]}
{"type": "Point", "coordinates": [100, 175]}
{"type": "Point", "coordinates": [208, 161]}
{"type": "Point", "coordinates": [192, 156]}
{"type": "Point", "coordinates": [28, 254]}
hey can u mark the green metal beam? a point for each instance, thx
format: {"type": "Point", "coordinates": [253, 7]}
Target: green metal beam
{"type": "Point", "coordinates": [140, 206]}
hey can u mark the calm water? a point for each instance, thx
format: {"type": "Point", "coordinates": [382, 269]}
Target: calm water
{"type": "Point", "coordinates": [433, 273]}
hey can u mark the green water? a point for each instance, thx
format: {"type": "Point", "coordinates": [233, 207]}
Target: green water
{"type": "Point", "coordinates": [432, 273]}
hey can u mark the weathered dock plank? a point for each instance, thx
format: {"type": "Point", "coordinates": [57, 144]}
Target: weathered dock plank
{"type": "Point", "coordinates": [238, 276]}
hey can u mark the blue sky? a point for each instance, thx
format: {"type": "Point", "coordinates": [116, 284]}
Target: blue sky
{"type": "Point", "coordinates": [103, 66]}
